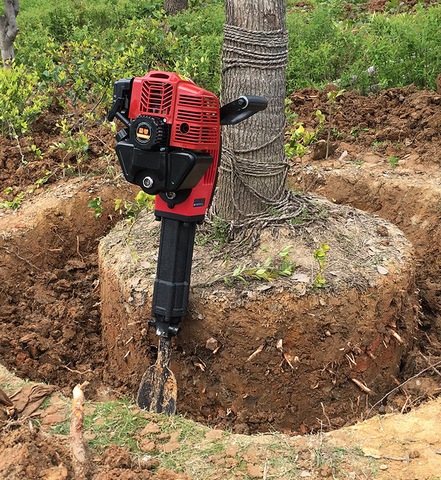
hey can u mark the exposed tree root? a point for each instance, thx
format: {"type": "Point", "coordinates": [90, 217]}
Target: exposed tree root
{"type": "Point", "coordinates": [78, 446]}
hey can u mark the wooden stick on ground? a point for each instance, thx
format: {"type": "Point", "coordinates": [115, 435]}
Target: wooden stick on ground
{"type": "Point", "coordinates": [78, 446]}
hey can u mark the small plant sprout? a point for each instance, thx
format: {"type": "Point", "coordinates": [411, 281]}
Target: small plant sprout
{"type": "Point", "coordinates": [356, 131]}
{"type": "Point", "coordinates": [320, 255]}
{"type": "Point", "coordinates": [132, 209]}
{"type": "Point", "coordinates": [332, 108]}
{"type": "Point", "coordinates": [301, 139]}
{"type": "Point", "coordinates": [14, 204]}
{"type": "Point", "coordinates": [96, 204]}
{"type": "Point", "coordinates": [41, 181]}
{"type": "Point", "coordinates": [36, 151]}
{"type": "Point", "coordinates": [290, 116]}
{"type": "Point", "coordinates": [393, 161]}
{"type": "Point", "coordinates": [377, 144]}
{"type": "Point", "coordinates": [113, 127]}
{"type": "Point", "coordinates": [287, 267]}
{"type": "Point", "coordinates": [268, 271]}
{"type": "Point", "coordinates": [76, 143]}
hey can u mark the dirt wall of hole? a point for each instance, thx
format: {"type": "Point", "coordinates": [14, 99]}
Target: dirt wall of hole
{"type": "Point", "coordinates": [413, 203]}
{"type": "Point", "coordinates": [50, 326]}
{"type": "Point", "coordinates": [329, 339]}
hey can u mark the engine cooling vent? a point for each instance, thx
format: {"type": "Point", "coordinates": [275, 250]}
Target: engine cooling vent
{"type": "Point", "coordinates": [156, 98]}
{"type": "Point", "coordinates": [197, 121]}
{"type": "Point", "coordinates": [199, 102]}
{"type": "Point", "coordinates": [194, 134]}
{"type": "Point", "coordinates": [197, 116]}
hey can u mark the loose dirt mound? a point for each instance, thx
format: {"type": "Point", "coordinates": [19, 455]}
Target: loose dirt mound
{"type": "Point", "coordinates": [28, 454]}
{"type": "Point", "coordinates": [392, 144]}
{"type": "Point", "coordinates": [401, 122]}
{"type": "Point", "coordinates": [388, 5]}
{"type": "Point", "coordinates": [387, 160]}
{"type": "Point", "coordinates": [49, 308]}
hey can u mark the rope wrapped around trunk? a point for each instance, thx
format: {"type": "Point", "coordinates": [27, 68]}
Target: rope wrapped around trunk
{"type": "Point", "coordinates": [262, 50]}
{"type": "Point", "coordinates": [269, 48]}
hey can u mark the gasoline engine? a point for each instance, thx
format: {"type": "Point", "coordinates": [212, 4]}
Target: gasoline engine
{"type": "Point", "coordinates": [170, 147]}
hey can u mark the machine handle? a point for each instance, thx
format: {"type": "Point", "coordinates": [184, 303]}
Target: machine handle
{"type": "Point", "coordinates": [121, 100]}
{"type": "Point", "coordinates": [239, 110]}
{"type": "Point", "coordinates": [255, 103]}
{"type": "Point", "coordinates": [113, 111]}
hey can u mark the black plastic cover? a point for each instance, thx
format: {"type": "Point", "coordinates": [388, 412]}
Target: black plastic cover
{"type": "Point", "coordinates": [122, 90]}
{"type": "Point", "coordinates": [168, 171]}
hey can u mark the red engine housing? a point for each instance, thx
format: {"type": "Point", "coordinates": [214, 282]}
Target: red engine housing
{"type": "Point", "coordinates": [194, 118]}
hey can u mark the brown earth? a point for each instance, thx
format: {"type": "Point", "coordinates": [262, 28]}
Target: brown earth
{"type": "Point", "coordinates": [403, 447]}
{"type": "Point", "coordinates": [388, 5]}
{"type": "Point", "coordinates": [49, 300]}
{"type": "Point", "coordinates": [27, 453]}
{"type": "Point", "coordinates": [287, 352]}
{"type": "Point", "coordinates": [387, 162]}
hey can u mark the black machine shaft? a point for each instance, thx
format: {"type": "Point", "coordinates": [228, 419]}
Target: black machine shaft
{"type": "Point", "coordinates": [158, 389]}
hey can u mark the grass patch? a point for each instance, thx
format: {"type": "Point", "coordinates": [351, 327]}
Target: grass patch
{"type": "Point", "coordinates": [9, 382]}
{"type": "Point", "coordinates": [120, 423]}
{"type": "Point", "coordinates": [113, 423]}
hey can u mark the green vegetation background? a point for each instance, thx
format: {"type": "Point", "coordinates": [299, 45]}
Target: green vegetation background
{"type": "Point", "coordinates": [85, 46]}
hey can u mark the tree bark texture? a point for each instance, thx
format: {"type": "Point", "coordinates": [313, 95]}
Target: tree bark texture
{"type": "Point", "coordinates": [8, 30]}
{"type": "Point", "coordinates": [175, 6]}
{"type": "Point", "coordinates": [254, 59]}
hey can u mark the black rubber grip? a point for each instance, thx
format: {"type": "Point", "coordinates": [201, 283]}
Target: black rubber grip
{"type": "Point", "coordinates": [255, 103]}
{"type": "Point", "coordinates": [239, 110]}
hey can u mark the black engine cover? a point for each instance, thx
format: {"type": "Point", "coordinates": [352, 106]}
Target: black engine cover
{"type": "Point", "coordinates": [162, 171]}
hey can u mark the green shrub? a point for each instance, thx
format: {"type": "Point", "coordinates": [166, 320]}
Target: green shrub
{"type": "Point", "coordinates": [404, 48]}
{"type": "Point", "coordinates": [401, 49]}
{"type": "Point", "coordinates": [21, 100]}
{"type": "Point", "coordinates": [199, 22]}
{"type": "Point", "coordinates": [86, 46]}
{"type": "Point", "coordinates": [321, 49]}
{"type": "Point", "coordinates": [63, 20]}
{"type": "Point", "coordinates": [198, 32]}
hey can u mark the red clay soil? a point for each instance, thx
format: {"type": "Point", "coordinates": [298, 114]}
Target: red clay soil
{"type": "Point", "coordinates": [391, 146]}
{"type": "Point", "coordinates": [388, 5]}
{"type": "Point", "coordinates": [49, 307]}
{"type": "Point", "coordinates": [396, 122]}
{"type": "Point", "coordinates": [287, 352]}
{"type": "Point", "coordinates": [49, 288]}
{"type": "Point", "coordinates": [387, 161]}
{"type": "Point", "coordinates": [377, 6]}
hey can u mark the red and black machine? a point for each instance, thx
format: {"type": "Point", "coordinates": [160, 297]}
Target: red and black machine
{"type": "Point", "coordinates": [171, 147]}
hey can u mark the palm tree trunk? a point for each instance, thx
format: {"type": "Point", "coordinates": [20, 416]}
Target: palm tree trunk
{"type": "Point", "coordinates": [254, 57]}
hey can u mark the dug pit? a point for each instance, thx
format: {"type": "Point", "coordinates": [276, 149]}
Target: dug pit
{"type": "Point", "coordinates": [256, 355]}
{"type": "Point", "coordinates": [50, 327]}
